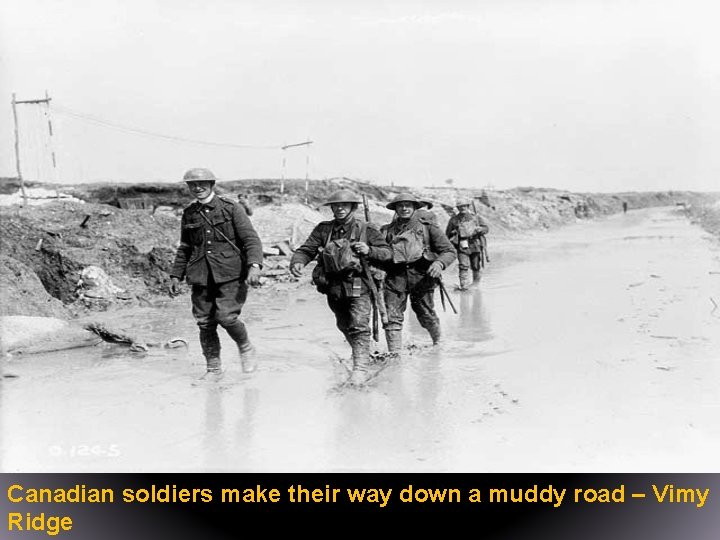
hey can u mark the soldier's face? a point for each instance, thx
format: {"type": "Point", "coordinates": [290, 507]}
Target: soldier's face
{"type": "Point", "coordinates": [405, 209]}
{"type": "Point", "coordinates": [200, 190]}
{"type": "Point", "coordinates": [341, 210]}
{"type": "Point", "coordinates": [464, 209]}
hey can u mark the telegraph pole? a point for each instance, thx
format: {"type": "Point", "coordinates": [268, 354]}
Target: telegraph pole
{"type": "Point", "coordinates": [17, 151]}
{"type": "Point", "coordinates": [52, 146]}
{"type": "Point", "coordinates": [284, 162]}
{"type": "Point", "coordinates": [15, 102]}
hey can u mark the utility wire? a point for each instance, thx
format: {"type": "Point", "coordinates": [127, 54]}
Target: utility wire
{"type": "Point", "coordinates": [68, 112]}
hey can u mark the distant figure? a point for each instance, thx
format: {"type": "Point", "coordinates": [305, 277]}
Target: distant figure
{"type": "Point", "coordinates": [582, 210]}
{"type": "Point", "coordinates": [483, 198]}
{"type": "Point", "coordinates": [245, 203]}
{"type": "Point", "coordinates": [424, 211]}
{"type": "Point", "coordinates": [624, 207]}
{"type": "Point", "coordinates": [466, 231]}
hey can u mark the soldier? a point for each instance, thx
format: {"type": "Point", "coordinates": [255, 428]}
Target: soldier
{"type": "Point", "coordinates": [465, 231]}
{"type": "Point", "coordinates": [245, 203]}
{"type": "Point", "coordinates": [420, 252]}
{"type": "Point", "coordinates": [220, 254]}
{"type": "Point", "coordinates": [424, 210]}
{"type": "Point", "coordinates": [339, 244]}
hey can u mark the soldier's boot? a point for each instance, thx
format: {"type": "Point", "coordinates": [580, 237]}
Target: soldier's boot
{"type": "Point", "coordinates": [247, 357]}
{"type": "Point", "coordinates": [476, 277]}
{"type": "Point", "coordinates": [361, 361]}
{"type": "Point", "coordinates": [238, 333]}
{"type": "Point", "coordinates": [394, 342]}
{"type": "Point", "coordinates": [435, 334]}
{"type": "Point", "coordinates": [210, 345]}
{"type": "Point", "coordinates": [214, 371]}
{"type": "Point", "coordinates": [464, 276]}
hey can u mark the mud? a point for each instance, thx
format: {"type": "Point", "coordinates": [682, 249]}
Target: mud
{"type": "Point", "coordinates": [588, 348]}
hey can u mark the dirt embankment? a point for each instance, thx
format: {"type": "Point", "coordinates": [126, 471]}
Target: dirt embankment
{"type": "Point", "coordinates": [112, 245]}
{"type": "Point", "coordinates": [707, 215]}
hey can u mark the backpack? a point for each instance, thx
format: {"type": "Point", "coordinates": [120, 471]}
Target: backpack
{"type": "Point", "coordinates": [337, 257]}
{"type": "Point", "coordinates": [409, 246]}
{"type": "Point", "coordinates": [467, 228]}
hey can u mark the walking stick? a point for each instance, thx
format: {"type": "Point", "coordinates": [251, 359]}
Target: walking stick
{"type": "Point", "coordinates": [443, 290]}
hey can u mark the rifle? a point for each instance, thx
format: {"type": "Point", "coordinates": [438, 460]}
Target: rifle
{"type": "Point", "coordinates": [376, 293]}
{"type": "Point", "coordinates": [483, 240]}
{"type": "Point", "coordinates": [444, 293]}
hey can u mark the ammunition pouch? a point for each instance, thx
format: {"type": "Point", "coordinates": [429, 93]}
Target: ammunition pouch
{"type": "Point", "coordinates": [320, 280]}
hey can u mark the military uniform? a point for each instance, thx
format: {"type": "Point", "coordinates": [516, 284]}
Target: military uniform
{"type": "Point", "coordinates": [411, 279]}
{"type": "Point", "coordinates": [215, 270]}
{"type": "Point", "coordinates": [465, 232]}
{"type": "Point", "coordinates": [348, 294]}
{"type": "Point", "coordinates": [245, 204]}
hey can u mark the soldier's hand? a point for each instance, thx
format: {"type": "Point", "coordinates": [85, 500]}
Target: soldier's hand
{"type": "Point", "coordinates": [296, 269]}
{"type": "Point", "coordinates": [361, 248]}
{"type": "Point", "coordinates": [435, 269]}
{"type": "Point", "coordinates": [174, 287]}
{"type": "Point", "coordinates": [253, 276]}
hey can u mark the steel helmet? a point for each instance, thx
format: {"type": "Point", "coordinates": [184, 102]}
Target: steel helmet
{"type": "Point", "coordinates": [405, 197]}
{"type": "Point", "coordinates": [463, 202]}
{"type": "Point", "coordinates": [342, 196]}
{"type": "Point", "coordinates": [199, 175]}
{"type": "Point", "coordinates": [426, 203]}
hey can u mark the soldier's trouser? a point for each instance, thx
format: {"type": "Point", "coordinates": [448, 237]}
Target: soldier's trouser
{"type": "Point", "coordinates": [467, 261]}
{"type": "Point", "coordinates": [352, 317]}
{"type": "Point", "coordinates": [422, 303]}
{"type": "Point", "coordinates": [394, 340]}
{"type": "Point", "coordinates": [219, 304]}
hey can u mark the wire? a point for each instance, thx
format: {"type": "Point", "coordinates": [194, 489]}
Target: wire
{"type": "Point", "coordinates": [68, 112]}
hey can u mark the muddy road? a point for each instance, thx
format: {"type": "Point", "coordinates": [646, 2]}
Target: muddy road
{"type": "Point", "coordinates": [590, 348]}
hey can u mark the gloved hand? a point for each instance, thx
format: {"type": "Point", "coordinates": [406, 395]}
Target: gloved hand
{"type": "Point", "coordinates": [296, 269]}
{"type": "Point", "coordinates": [253, 276]}
{"type": "Point", "coordinates": [435, 269]}
{"type": "Point", "coordinates": [360, 248]}
{"type": "Point", "coordinates": [174, 287]}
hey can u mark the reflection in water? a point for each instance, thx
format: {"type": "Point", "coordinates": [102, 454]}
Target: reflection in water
{"type": "Point", "coordinates": [214, 443]}
{"type": "Point", "coordinates": [224, 449]}
{"type": "Point", "coordinates": [397, 421]}
{"type": "Point", "coordinates": [473, 322]}
{"type": "Point", "coordinates": [245, 429]}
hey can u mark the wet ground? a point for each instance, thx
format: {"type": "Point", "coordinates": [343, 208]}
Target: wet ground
{"type": "Point", "coordinates": [592, 348]}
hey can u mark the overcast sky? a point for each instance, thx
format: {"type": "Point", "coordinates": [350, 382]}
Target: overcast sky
{"type": "Point", "coordinates": [586, 95]}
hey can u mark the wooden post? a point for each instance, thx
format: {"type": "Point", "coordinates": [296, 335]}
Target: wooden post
{"type": "Point", "coordinates": [307, 167]}
{"type": "Point", "coordinates": [282, 178]}
{"type": "Point", "coordinates": [52, 146]}
{"type": "Point", "coordinates": [17, 150]}
{"type": "Point", "coordinates": [284, 148]}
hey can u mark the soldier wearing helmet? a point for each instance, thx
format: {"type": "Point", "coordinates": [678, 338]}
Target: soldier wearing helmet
{"type": "Point", "coordinates": [466, 231]}
{"type": "Point", "coordinates": [420, 252]}
{"type": "Point", "coordinates": [338, 244]}
{"type": "Point", "coordinates": [219, 255]}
